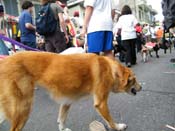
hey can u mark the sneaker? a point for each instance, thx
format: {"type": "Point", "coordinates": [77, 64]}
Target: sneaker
{"type": "Point", "coordinates": [128, 65]}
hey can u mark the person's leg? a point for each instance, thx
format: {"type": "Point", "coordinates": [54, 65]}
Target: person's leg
{"type": "Point", "coordinates": [30, 44]}
{"type": "Point", "coordinates": [59, 42]}
{"type": "Point", "coordinates": [49, 45]}
{"type": "Point", "coordinates": [109, 54]}
{"type": "Point", "coordinates": [127, 46]}
{"type": "Point", "coordinates": [133, 52]}
{"type": "Point", "coordinates": [138, 44]}
{"type": "Point", "coordinates": [123, 52]}
{"type": "Point", "coordinates": [108, 46]}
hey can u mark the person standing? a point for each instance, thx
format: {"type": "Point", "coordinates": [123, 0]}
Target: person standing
{"type": "Point", "coordinates": [147, 33]}
{"type": "Point", "coordinates": [154, 39]}
{"type": "Point", "coordinates": [56, 42]}
{"type": "Point", "coordinates": [127, 23]}
{"type": "Point", "coordinates": [98, 25]}
{"type": "Point", "coordinates": [159, 35]}
{"type": "Point", "coordinates": [3, 47]}
{"type": "Point", "coordinates": [168, 9]}
{"type": "Point", "coordinates": [27, 26]}
{"type": "Point", "coordinates": [2, 21]}
{"type": "Point", "coordinates": [139, 41]}
{"type": "Point", "coordinates": [153, 34]}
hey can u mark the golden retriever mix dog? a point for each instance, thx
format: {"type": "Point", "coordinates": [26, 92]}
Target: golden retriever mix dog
{"type": "Point", "coordinates": [67, 77]}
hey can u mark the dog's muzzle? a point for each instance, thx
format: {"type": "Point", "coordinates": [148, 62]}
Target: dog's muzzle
{"type": "Point", "coordinates": [134, 91]}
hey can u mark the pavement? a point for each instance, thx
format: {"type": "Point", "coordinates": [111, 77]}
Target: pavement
{"type": "Point", "coordinates": [149, 110]}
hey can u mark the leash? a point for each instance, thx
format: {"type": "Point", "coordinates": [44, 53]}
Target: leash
{"type": "Point", "coordinates": [13, 42]}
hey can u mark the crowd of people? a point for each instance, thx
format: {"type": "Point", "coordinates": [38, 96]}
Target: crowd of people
{"type": "Point", "coordinates": [131, 36]}
{"type": "Point", "coordinates": [64, 36]}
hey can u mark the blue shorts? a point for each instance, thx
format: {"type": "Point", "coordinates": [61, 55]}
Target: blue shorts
{"type": "Point", "coordinates": [100, 41]}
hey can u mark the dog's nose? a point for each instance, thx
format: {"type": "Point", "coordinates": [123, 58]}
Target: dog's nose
{"type": "Point", "coordinates": [134, 91]}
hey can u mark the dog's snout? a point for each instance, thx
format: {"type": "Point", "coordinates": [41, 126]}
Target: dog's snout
{"type": "Point", "coordinates": [133, 90]}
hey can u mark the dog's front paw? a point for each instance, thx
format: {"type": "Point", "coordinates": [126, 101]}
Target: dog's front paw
{"type": "Point", "coordinates": [120, 126]}
{"type": "Point", "coordinates": [61, 128]}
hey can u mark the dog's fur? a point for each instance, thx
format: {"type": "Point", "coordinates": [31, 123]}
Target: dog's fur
{"type": "Point", "coordinates": [67, 77]}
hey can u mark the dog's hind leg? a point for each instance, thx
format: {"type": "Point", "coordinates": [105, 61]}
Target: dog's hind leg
{"type": "Point", "coordinates": [144, 56]}
{"type": "Point", "coordinates": [18, 104]}
{"type": "Point", "coordinates": [101, 106]}
{"type": "Point", "coordinates": [63, 112]}
{"type": "Point", "coordinates": [2, 116]}
{"type": "Point", "coordinates": [157, 54]}
{"type": "Point", "coordinates": [156, 48]}
{"type": "Point", "coordinates": [19, 119]}
{"type": "Point", "coordinates": [19, 116]}
{"type": "Point", "coordinates": [150, 53]}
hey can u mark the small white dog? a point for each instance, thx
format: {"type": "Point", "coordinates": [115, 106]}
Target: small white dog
{"type": "Point", "coordinates": [144, 53]}
{"type": "Point", "coordinates": [73, 50]}
{"type": "Point", "coordinates": [146, 50]}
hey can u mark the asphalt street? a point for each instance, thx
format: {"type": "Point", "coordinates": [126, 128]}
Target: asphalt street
{"type": "Point", "coordinates": [150, 110]}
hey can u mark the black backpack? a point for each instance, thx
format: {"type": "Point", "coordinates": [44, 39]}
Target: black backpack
{"type": "Point", "coordinates": [46, 24]}
{"type": "Point", "coordinates": [168, 7]}
{"type": "Point", "coordinates": [1, 8]}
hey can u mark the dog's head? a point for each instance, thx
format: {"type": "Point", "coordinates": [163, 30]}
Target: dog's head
{"type": "Point", "coordinates": [127, 82]}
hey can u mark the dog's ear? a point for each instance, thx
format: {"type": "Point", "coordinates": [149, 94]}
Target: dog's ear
{"type": "Point", "coordinates": [126, 77]}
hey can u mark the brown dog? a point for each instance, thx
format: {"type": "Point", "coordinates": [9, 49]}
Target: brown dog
{"type": "Point", "coordinates": [67, 77]}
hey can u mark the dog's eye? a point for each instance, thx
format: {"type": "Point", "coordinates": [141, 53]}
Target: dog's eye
{"type": "Point", "coordinates": [131, 79]}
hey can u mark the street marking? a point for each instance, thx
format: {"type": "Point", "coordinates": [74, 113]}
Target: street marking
{"type": "Point", "coordinates": [169, 72]}
{"type": "Point", "coordinates": [158, 92]}
{"type": "Point", "coordinates": [170, 127]}
{"type": "Point", "coordinates": [96, 126]}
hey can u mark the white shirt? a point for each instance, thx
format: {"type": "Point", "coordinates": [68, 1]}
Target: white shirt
{"type": "Point", "coordinates": [147, 28]}
{"type": "Point", "coordinates": [127, 24]}
{"type": "Point", "coordinates": [101, 19]}
{"type": "Point", "coordinates": [153, 32]}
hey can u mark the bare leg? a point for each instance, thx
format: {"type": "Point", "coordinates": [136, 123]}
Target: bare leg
{"type": "Point", "coordinates": [63, 111]}
{"type": "Point", "coordinates": [109, 54]}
